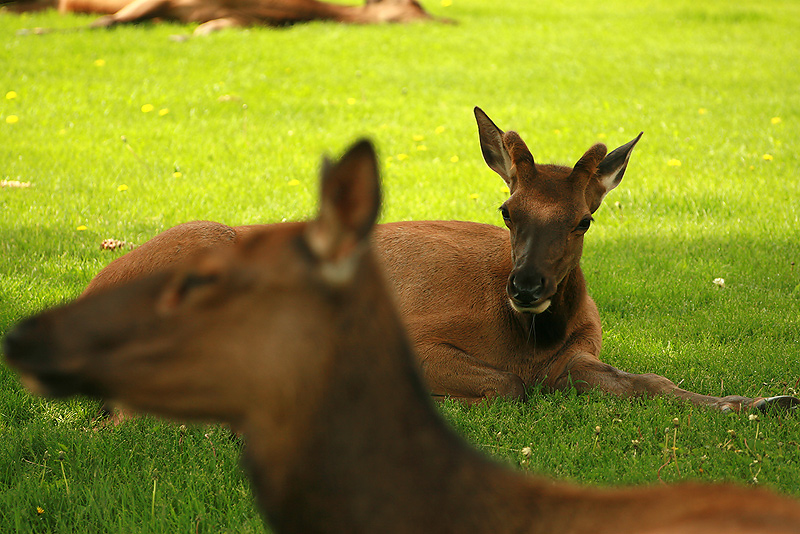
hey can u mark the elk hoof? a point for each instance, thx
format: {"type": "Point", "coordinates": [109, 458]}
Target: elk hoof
{"type": "Point", "coordinates": [781, 402]}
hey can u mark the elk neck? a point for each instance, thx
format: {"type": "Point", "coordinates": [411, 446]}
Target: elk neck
{"type": "Point", "coordinates": [551, 326]}
{"type": "Point", "coordinates": [370, 453]}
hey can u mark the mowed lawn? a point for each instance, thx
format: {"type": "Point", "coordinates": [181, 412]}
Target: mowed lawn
{"type": "Point", "coordinates": [121, 134]}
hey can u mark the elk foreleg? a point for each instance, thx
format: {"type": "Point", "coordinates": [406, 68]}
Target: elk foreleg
{"type": "Point", "coordinates": [451, 372]}
{"type": "Point", "coordinates": [220, 24]}
{"type": "Point", "coordinates": [136, 10]}
{"type": "Point", "coordinates": [585, 372]}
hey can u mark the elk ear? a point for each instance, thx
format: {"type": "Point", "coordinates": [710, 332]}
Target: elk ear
{"type": "Point", "coordinates": [590, 161]}
{"type": "Point", "coordinates": [494, 151]}
{"type": "Point", "coordinates": [348, 208]}
{"type": "Point", "coordinates": [609, 173]}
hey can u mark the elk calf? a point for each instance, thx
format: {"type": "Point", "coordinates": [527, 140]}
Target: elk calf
{"type": "Point", "coordinates": [491, 311]}
{"type": "Point", "coordinates": [291, 337]}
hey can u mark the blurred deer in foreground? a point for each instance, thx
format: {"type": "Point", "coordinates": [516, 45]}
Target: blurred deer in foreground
{"type": "Point", "coordinates": [490, 311]}
{"type": "Point", "coordinates": [217, 14]}
{"type": "Point", "coordinates": [291, 336]}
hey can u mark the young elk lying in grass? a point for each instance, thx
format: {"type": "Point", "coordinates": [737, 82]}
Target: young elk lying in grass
{"type": "Point", "coordinates": [489, 312]}
{"type": "Point", "coordinates": [292, 338]}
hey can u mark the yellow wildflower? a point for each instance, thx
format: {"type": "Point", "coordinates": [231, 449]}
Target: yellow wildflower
{"type": "Point", "coordinates": [351, 101]}
{"type": "Point", "coordinates": [447, 3]}
{"type": "Point", "coordinates": [122, 187]}
{"type": "Point", "coordinates": [81, 228]}
{"type": "Point", "coordinates": [162, 112]}
{"type": "Point", "coordinates": [402, 157]}
{"type": "Point", "coordinates": [674, 163]}
{"type": "Point", "coordinates": [147, 108]}
{"type": "Point", "coordinates": [422, 148]}
{"type": "Point", "coordinates": [39, 510]}
{"type": "Point", "coordinates": [767, 157]}
{"type": "Point", "coordinates": [12, 119]}
{"type": "Point", "coordinates": [418, 138]}
{"type": "Point", "coordinates": [474, 196]}
{"type": "Point", "coordinates": [773, 120]}
{"type": "Point", "coordinates": [177, 174]}
{"type": "Point", "coordinates": [99, 62]}
{"type": "Point", "coordinates": [439, 129]}
{"type": "Point", "coordinates": [702, 111]}
{"type": "Point", "coordinates": [293, 182]}
{"type": "Point", "coordinates": [454, 159]}
{"type": "Point", "coordinates": [11, 95]}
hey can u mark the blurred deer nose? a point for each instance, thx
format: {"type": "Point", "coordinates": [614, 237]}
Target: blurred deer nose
{"type": "Point", "coordinates": [22, 341]}
{"type": "Point", "coordinates": [526, 292]}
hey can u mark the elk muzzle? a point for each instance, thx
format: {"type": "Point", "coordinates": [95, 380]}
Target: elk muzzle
{"type": "Point", "coordinates": [29, 349]}
{"type": "Point", "coordinates": [528, 294]}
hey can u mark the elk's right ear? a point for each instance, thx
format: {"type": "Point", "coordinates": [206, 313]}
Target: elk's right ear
{"type": "Point", "coordinates": [494, 150]}
{"type": "Point", "coordinates": [349, 203]}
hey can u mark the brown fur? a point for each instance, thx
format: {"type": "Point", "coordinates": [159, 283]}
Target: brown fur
{"type": "Point", "coordinates": [291, 337]}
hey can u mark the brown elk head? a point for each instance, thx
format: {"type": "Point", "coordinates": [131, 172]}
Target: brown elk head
{"type": "Point", "coordinates": [237, 327]}
{"type": "Point", "coordinates": [548, 211]}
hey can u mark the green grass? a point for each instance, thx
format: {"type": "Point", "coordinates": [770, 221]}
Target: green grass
{"type": "Point", "coordinates": [703, 80]}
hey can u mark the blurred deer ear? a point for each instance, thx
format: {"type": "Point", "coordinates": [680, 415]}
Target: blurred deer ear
{"type": "Point", "coordinates": [609, 173]}
{"type": "Point", "coordinates": [349, 204]}
{"type": "Point", "coordinates": [494, 151]}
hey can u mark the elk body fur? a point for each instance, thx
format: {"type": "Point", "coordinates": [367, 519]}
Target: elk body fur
{"type": "Point", "coordinates": [291, 336]}
{"type": "Point", "coordinates": [478, 330]}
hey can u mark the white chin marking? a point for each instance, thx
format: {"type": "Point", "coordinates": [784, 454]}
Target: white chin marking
{"type": "Point", "coordinates": [535, 310]}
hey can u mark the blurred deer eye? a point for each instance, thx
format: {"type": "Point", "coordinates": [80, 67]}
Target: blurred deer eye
{"type": "Point", "coordinates": [584, 225]}
{"type": "Point", "coordinates": [195, 280]}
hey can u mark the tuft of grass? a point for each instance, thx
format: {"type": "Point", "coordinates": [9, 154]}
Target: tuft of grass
{"type": "Point", "coordinates": [124, 133]}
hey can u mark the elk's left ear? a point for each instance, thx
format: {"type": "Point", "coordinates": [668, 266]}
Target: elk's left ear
{"type": "Point", "coordinates": [609, 174]}
{"type": "Point", "coordinates": [349, 203]}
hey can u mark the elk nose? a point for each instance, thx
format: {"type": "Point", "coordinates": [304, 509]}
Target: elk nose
{"type": "Point", "coordinates": [526, 292]}
{"type": "Point", "coordinates": [22, 341]}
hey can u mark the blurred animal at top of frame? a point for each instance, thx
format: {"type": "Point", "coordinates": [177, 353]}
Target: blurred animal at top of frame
{"type": "Point", "coordinates": [491, 311]}
{"type": "Point", "coordinates": [292, 338]}
{"type": "Point", "coordinates": [26, 6]}
{"type": "Point", "coordinates": [217, 14]}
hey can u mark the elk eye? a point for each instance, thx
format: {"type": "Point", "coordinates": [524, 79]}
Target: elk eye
{"type": "Point", "coordinates": [505, 214]}
{"type": "Point", "coordinates": [584, 225]}
{"type": "Point", "coordinates": [184, 289]}
{"type": "Point", "coordinates": [194, 281]}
